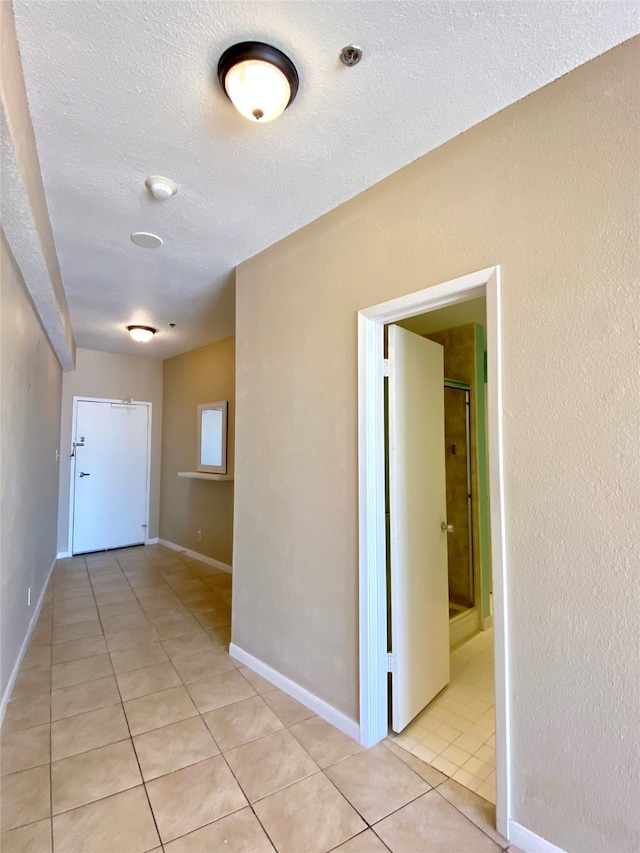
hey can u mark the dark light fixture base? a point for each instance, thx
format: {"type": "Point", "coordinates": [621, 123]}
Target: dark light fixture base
{"type": "Point", "coordinates": [247, 50]}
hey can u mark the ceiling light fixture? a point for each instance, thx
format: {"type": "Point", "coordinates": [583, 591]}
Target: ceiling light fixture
{"type": "Point", "coordinates": [160, 187]}
{"type": "Point", "coordinates": [141, 334]}
{"type": "Point", "coordinates": [258, 79]}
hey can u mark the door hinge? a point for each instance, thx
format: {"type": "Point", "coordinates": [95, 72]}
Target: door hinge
{"type": "Point", "coordinates": [392, 662]}
{"type": "Point", "coordinates": [385, 367]}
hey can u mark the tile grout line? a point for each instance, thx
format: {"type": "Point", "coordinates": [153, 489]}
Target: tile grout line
{"type": "Point", "coordinates": [135, 752]}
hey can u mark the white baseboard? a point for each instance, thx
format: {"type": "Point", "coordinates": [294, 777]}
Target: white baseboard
{"type": "Point", "coordinates": [61, 555]}
{"type": "Point", "coordinates": [528, 841]}
{"type": "Point", "coordinates": [23, 648]}
{"type": "Point", "coordinates": [196, 556]}
{"type": "Point", "coordinates": [153, 541]}
{"type": "Point", "coordinates": [487, 623]}
{"type": "Point", "coordinates": [309, 700]}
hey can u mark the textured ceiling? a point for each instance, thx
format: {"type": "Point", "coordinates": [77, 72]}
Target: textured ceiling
{"type": "Point", "coordinates": [122, 90]}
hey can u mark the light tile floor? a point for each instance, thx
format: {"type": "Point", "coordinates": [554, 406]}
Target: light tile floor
{"type": "Point", "coordinates": [130, 729]}
{"type": "Point", "coordinates": [456, 733]}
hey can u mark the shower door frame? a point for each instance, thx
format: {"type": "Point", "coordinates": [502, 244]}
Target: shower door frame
{"type": "Point", "coordinates": [466, 387]}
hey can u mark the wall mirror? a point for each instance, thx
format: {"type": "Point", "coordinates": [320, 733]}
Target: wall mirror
{"type": "Point", "coordinates": [212, 437]}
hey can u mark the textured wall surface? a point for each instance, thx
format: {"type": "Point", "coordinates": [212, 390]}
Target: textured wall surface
{"type": "Point", "coordinates": [31, 379]}
{"type": "Point", "coordinates": [549, 189]}
{"type": "Point", "coordinates": [24, 208]}
{"type": "Point", "coordinates": [205, 375]}
{"type": "Point", "coordinates": [116, 377]}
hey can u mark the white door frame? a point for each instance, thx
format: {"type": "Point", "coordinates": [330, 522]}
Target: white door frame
{"type": "Point", "coordinates": [72, 467]}
{"type": "Point", "coordinates": [371, 465]}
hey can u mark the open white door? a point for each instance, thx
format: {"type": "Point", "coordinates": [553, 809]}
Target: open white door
{"type": "Point", "coordinates": [111, 461]}
{"type": "Point", "coordinates": [417, 504]}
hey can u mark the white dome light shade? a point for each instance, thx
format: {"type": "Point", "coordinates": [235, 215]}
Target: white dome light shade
{"type": "Point", "coordinates": [258, 79]}
{"type": "Point", "coordinates": [258, 90]}
{"type": "Point", "coordinates": [141, 334]}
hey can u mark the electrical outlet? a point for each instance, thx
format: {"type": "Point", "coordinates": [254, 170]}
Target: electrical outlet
{"type": "Point", "coordinates": [199, 535]}
{"type": "Point", "coordinates": [29, 597]}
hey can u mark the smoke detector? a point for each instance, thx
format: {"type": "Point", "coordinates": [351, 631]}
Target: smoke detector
{"type": "Point", "coordinates": [160, 187]}
{"type": "Point", "coordinates": [146, 239]}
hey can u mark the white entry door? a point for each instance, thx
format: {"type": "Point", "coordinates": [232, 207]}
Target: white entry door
{"type": "Point", "coordinates": [417, 504]}
{"type": "Point", "coordinates": [110, 471]}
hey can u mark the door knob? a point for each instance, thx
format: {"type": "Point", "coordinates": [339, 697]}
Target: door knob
{"type": "Point", "coordinates": [85, 474]}
{"type": "Point", "coordinates": [446, 528]}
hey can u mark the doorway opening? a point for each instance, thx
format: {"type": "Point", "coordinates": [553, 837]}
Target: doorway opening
{"type": "Point", "coordinates": [454, 730]}
{"type": "Point", "coordinates": [375, 660]}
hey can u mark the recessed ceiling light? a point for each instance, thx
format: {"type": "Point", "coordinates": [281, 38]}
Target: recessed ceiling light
{"type": "Point", "coordinates": [160, 187]}
{"type": "Point", "coordinates": [146, 240]}
{"type": "Point", "coordinates": [141, 334]}
{"type": "Point", "coordinates": [260, 80]}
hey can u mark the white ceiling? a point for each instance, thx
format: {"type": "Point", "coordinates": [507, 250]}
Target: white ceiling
{"type": "Point", "coordinates": [122, 90]}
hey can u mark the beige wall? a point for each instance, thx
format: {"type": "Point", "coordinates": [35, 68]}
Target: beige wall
{"type": "Point", "coordinates": [549, 189]}
{"type": "Point", "coordinates": [117, 377]}
{"type": "Point", "coordinates": [204, 375]}
{"type": "Point", "coordinates": [30, 394]}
